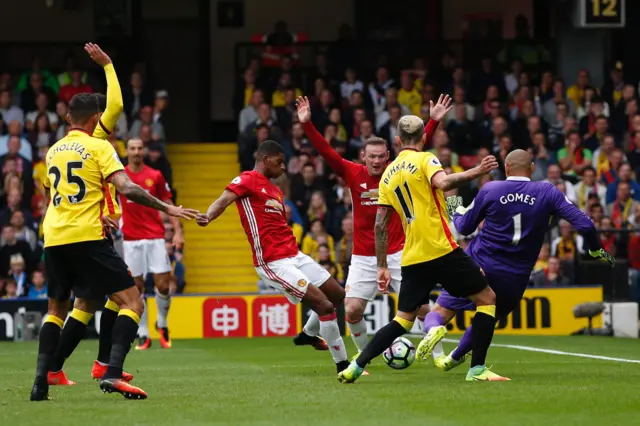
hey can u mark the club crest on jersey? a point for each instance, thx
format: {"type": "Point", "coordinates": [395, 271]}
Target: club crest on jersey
{"type": "Point", "coordinates": [148, 182]}
{"type": "Point", "coordinates": [302, 283]}
{"type": "Point", "coordinates": [273, 206]}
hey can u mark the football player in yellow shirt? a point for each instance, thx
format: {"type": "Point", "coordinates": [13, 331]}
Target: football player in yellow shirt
{"type": "Point", "coordinates": [413, 186]}
{"type": "Point", "coordinates": [78, 256]}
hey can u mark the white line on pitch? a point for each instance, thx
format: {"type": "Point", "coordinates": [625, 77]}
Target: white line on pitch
{"type": "Point", "coordinates": [554, 352]}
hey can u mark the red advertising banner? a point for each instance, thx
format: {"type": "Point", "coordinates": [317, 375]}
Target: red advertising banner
{"type": "Point", "coordinates": [274, 316]}
{"type": "Point", "coordinates": [225, 317]}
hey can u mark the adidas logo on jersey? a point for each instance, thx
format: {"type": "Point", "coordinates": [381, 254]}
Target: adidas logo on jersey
{"type": "Point", "coordinates": [364, 185]}
{"type": "Point", "coordinates": [264, 190]}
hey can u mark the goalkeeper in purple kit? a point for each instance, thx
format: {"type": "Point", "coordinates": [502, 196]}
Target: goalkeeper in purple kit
{"type": "Point", "coordinates": [516, 214]}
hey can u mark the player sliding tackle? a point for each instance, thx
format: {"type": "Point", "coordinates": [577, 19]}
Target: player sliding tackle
{"type": "Point", "coordinates": [413, 186]}
{"type": "Point", "coordinates": [516, 215]}
{"type": "Point", "coordinates": [363, 181]}
{"type": "Point", "coordinates": [275, 252]}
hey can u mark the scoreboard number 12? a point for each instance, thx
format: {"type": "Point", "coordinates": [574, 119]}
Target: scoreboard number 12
{"type": "Point", "coordinates": [601, 13]}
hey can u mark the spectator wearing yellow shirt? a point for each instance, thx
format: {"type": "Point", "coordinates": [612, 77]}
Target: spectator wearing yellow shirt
{"type": "Point", "coordinates": [285, 82]}
{"type": "Point", "coordinates": [296, 228]}
{"type": "Point", "coordinates": [576, 92]}
{"type": "Point", "coordinates": [335, 117]}
{"type": "Point", "coordinates": [441, 142]}
{"type": "Point", "coordinates": [316, 236]}
{"type": "Point", "coordinates": [40, 169]}
{"type": "Point", "coordinates": [408, 95]}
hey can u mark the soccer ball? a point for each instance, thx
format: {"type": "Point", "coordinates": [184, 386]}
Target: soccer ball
{"type": "Point", "coordinates": [400, 354]}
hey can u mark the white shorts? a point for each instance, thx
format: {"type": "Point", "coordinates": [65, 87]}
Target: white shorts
{"type": "Point", "coordinates": [146, 256]}
{"type": "Point", "coordinates": [362, 279]}
{"type": "Point", "coordinates": [292, 275]}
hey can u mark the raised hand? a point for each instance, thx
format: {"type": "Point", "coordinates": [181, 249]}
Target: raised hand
{"type": "Point", "coordinates": [488, 164]}
{"type": "Point", "coordinates": [441, 108]}
{"type": "Point", "coordinates": [98, 56]}
{"type": "Point", "coordinates": [184, 213]}
{"type": "Point", "coordinates": [304, 109]}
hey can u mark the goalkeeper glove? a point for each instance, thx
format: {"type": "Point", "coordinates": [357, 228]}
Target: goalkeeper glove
{"type": "Point", "coordinates": [453, 203]}
{"type": "Point", "coordinates": [603, 256]}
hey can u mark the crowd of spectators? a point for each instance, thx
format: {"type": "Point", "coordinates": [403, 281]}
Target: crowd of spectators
{"type": "Point", "coordinates": [33, 110]}
{"type": "Point", "coordinates": [583, 138]}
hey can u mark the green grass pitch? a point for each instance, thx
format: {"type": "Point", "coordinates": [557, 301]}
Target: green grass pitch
{"type": "Point", "coordinates": [271, 382]}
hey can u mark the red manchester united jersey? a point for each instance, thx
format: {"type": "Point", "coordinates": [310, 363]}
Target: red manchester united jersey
{"type": "Point", "coordinates": [364, 196]}
{"type": "Point", "coordinates": [141, 222]}
{"type": "Point", "coordinates": [261, 208]}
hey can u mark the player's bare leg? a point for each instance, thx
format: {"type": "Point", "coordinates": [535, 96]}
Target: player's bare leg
{"type": "Point", "coordinates": [48, 342]}
{"type": "Point", "coordinates": [144, 342]}
{"type": "Point", "coordinates": [401, 324]}
{"type": "Point", "coordinates": [124, 333]}
{"type": "Point", "coordinates": [163, 303]}
{"type": "Point", "coordinates": [324, 306]}
{"type": "Point", "coordinates": [484, 324]}
{"type": "Point", "coordinates": [354, 311]}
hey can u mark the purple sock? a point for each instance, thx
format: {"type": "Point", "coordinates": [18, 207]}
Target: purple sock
{"type": "Point", "coordinates": [433, 319]}
{"type": "Point", "coordinates": [464, 346]}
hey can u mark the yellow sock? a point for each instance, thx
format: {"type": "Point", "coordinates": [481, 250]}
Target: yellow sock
{"type": "Point", "coordinates": [83, 317]}
{"type": "Point", "coordinates": [131, 314]}
{"type": "Point", "coordinates": [111, 305]}
{"type": "Point", "coordinates": [406, 324]}
{"type": "Point", "coordinates": [487, 309]}
{"type": "Point", "coordinates": [54, 319]}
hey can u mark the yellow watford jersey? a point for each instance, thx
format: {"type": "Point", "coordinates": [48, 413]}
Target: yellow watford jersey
{"type": "Point", "coordinates": [106, 125]}
{"type": "Point", "coordinates": [406, 186]}
{"type": "Point", "coordinates": [78, 167]}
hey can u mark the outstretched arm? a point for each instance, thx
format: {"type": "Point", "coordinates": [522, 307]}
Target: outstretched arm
{"type": "Point", "coordinates": [217, 208]}
{"type": "Point", "coordinates": [135, 193]}
{"type": "Point", "coordinates": [447, 182]}
{"type": "Point", "coordinates": [382, 234]}
{"type": "Point", "coordinates": [110, 116]}
{"type": "Point", "coordinates": [437, 112]}
{"type": "Point", "coordinates": [333, 159]}
{"type": "Point", "coordinates": [467, 219]}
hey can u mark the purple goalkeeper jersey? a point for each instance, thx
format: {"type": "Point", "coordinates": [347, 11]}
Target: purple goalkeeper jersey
{"type": "Point", "coordinates": [516, 215]}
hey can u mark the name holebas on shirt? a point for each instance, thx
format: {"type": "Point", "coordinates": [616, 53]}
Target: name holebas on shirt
{"type": "Point", "coordinates": [69, 146]}
{"type": "Point", "coordinates": [517, 198]}
{"type": "Point", "coordinates": [395, 168]}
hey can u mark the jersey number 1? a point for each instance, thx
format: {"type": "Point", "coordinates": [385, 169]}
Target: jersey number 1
{"type": "Point", "coordinates": [407, 208]}
{"type": "Point", "coordinates": [71, 178]}
{"type": "Point", "coordinates": [517, 229]}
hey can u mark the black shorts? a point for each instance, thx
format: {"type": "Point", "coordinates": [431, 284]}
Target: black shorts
{"type": "Point", "coordinates": [92, 269]}
{"type": "Point", "coordinates": [455, 271]}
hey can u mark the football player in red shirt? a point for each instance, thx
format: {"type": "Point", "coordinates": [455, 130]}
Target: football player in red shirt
{"type": "Point", "coordinates": [276, 256]}
{"type": "Point", "coordinates": [363, 181]}
{"type": "Point", "coordinates": [144, 246]}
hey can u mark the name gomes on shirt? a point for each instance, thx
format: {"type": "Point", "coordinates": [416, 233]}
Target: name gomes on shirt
{"type": "Point", "coordinates": [517, 198]}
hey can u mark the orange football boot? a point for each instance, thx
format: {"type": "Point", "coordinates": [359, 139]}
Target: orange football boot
{"type": "Point", "coordinates": [98, 370]}
{"type": "Point", "coordinates": [165, 340]}
{"type": "Point", "coordinates": [123, 388]}
{"type": "Point", "coordinates": [144, 343]}
{"type": "Point", "coordinates": [58, 379]}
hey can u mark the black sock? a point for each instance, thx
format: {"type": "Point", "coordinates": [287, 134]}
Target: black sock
{"type": "Point", "coordinates": [107, 322]}
{"type": "Point", "coordinates": [481, 336]}
{"type": "Point", "coordinates": [72, 333]}
{"type": "Point", "coordinates": [49, 338]}
{"type": "Point", "coordinates": [124, 332]}
{"type": "Point", "coordinates": [381, 341]}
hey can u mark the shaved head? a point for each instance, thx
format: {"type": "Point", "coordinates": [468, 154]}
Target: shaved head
{"type": "Point", "coordinates": [518, 163]}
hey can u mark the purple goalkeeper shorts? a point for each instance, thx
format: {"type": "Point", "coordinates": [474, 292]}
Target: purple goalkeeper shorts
{"type": "Point", "coordinates": [509, 291]}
